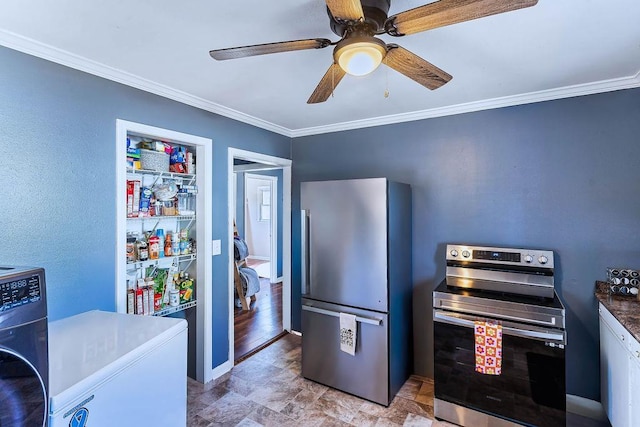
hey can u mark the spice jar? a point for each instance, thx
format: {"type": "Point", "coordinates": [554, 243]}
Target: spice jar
{"type": "Point", "coordinates": [131, 248]}
{"type": "Point", "coordinates": [142, 250]}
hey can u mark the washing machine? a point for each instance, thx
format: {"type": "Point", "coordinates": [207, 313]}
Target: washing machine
{"type": "Point", "coordinates": [24, 368]}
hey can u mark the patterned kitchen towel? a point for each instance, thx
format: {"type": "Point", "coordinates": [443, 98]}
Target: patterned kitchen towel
{"type": "Point", "coordinates": [488, 336]}
{"type": "Point", "coordinates": [348, 333]}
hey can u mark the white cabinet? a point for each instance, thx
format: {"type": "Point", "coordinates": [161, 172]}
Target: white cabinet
{"type": "Point", "coordinates": [619, 371]}
{"type": "Point", "coordinates": [634, 380]}
{"type": "Point", "coordinates": [195, 308]}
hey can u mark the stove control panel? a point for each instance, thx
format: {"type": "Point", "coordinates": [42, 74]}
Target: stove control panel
{"type": "Point", "coordinates": [505, 256]}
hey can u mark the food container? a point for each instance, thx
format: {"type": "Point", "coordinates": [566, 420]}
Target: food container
{"type": "Point", "coordinates": [157, 301]}
{"type": "Point", "coordinates": [169, 207]}
{"type": "Point", "coordinates": [186, 290]}
{"type": "Point", "coordinates": [154, 160]}
{"type": "Point", "coordinates": [154, 247]}
{"type": "Point", "coordinates": [186, 203]}
{"type": "Point", "coordinates": [131, 248]}
{"type": "Point", "coordinates": [174, 298]}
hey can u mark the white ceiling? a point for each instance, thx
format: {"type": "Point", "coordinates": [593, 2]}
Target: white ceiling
{"type": "Point", "coordinates": [555, 49]}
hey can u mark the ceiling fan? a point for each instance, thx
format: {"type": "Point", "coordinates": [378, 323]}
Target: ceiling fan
{"type": "Point", "coordinates": [359, 51]}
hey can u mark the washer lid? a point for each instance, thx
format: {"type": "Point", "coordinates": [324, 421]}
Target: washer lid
{"type": "Point", "coordinates": [87, 349]}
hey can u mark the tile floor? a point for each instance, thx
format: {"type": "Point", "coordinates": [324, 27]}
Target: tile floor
{"type": "Point", "coordinates": [267, 390]}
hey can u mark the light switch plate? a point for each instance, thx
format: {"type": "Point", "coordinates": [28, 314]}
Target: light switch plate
{"type": "Point", "coordinates": [216, 249]}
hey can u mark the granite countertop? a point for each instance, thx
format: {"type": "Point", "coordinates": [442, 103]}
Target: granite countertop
{"type": "Point", "coordinates": [625, 309]}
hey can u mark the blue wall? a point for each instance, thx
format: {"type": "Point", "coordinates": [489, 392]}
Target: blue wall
{"type": "Point", "coordinates": [560, 175]}
{"type": "Point", "coordinates": [57, 135]}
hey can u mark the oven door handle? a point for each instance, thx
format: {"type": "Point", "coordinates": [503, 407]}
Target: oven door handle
{"type": "Point", "coordinates": [446, 305]}
{"type": "Point", "coordinates": [468, 322]}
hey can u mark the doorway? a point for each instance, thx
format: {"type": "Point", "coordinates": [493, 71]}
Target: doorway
{"type": "Point", "coordinates": [260, 211]}
{"type": "Point", "coordinates": [261, 219]}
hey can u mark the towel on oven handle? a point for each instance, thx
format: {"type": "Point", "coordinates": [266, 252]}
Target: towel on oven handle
{"type": "Point", "coordinates": [488, 347]}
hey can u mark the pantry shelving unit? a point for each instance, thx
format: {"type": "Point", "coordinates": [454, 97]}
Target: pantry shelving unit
{"type": "Point", "coordinates": [168, 223]}
{"type": "Point", "coordinates": [196, 311]}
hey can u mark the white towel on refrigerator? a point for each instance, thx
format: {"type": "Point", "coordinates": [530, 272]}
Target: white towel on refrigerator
{"type": "Point", "coordinates": [348, 333]}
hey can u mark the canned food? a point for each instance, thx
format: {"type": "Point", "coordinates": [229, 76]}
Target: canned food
{"type": "Point", "coordinates": [174, 298]}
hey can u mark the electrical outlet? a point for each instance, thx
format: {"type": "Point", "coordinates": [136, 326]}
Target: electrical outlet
{"type": "Point", "coordinates": [216, 248]}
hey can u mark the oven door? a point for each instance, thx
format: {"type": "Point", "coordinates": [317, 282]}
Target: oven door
{"type": "Point", "coordinates": [531, 387]}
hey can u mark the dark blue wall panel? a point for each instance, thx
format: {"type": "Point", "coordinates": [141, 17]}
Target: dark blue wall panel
{"type": "Point", "coordinates": [560, 175]}
{"type": "Point", "coordinates": [58, 189]}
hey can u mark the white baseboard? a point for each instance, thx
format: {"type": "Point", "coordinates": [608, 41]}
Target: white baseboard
{"type": "Point", "coordinates": [585, 407]}
{"type": "Point", "coordinates": [220, 370]}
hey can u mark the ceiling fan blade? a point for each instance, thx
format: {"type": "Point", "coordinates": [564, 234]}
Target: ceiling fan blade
{"type": "Point", "coordinates": [327, 84]}
{"type": "Point", "coordinates": [346, 10]}
{"type": "Point", "coordinates": [263, 49]}
{"type": "Point", "coordinates": [447, 12]}
{"type": "Point", "coordinates": [416, 68]}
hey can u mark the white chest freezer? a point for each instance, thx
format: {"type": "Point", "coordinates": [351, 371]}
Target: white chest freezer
{"type": "Point", "coordinates": [111, 369]}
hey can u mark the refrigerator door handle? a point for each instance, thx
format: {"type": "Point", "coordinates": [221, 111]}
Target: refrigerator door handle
{"type": "Point", "coordinates": [368, 320]}
{"type": "Point", "coordinates": [304, 238]}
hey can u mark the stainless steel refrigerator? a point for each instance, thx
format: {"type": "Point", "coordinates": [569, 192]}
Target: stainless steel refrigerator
{"type": "Point", "coordinates": [356, 259]}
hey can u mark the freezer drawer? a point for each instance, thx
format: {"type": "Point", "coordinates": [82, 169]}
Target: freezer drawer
{"type": "Point", "coordinates": [366, 374]}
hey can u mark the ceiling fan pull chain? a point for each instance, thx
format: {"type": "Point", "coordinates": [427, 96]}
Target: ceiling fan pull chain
{"type": "Point", "coordinates": [386, 78]}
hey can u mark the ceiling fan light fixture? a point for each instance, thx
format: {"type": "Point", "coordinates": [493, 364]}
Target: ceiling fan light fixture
{"type": "Point", "coordinates": [359, 56]}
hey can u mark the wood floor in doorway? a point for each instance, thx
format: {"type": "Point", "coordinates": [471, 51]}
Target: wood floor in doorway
{"type": "Point", "coordinates": [261, 323]}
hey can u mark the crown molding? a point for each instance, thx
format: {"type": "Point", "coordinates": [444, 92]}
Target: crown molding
{"type": "Point", "coordinates": [50, 53]}
{"type": "Point", "coordinates": [507, 101]}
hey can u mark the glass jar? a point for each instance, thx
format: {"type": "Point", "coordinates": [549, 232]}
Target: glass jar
{"type": "Point", "coordinates": [186, 203]}
{"type": "Point", "coordinates": [142, 250]}
{"type": "Point", "coordinates": [131, 247]}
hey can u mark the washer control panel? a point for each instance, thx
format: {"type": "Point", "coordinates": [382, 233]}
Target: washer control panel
{"type": "Point", "coordinates": [15, 292]}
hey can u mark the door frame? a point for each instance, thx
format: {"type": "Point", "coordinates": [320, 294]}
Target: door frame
{"type": "Point", "coordinates": [275, 163]}
{"type": "Point", "coordinates": [204, 181]}
{"type": "Point", "coordinates": [273, 225]}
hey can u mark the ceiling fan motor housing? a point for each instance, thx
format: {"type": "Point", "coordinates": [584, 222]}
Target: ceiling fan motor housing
{"type": "Point", "coordinates": [375, 15]}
